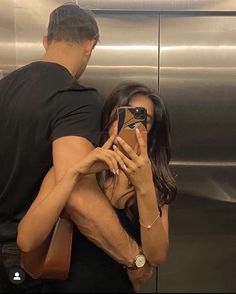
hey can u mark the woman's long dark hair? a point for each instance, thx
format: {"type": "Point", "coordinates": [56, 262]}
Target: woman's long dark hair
{"type": "Point", "coordinates": [159, 139]}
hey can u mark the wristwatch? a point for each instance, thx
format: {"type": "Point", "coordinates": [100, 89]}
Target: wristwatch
{"type": "Point", "coordinates": [139, 262]}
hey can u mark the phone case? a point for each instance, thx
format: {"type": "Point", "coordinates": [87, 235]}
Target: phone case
{"type": "Point", "coordinates": [128, 121]}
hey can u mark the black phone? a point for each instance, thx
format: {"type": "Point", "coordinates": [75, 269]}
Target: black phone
{"type": "Point", "coordinates": [131, 118]}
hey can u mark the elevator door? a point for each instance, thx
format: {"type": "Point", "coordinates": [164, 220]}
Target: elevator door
{"type": "Point", "coordinates": [197, 79]}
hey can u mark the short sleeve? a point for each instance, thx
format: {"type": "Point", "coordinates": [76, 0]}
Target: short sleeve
{"type": "Point", "coordinates": [78, 113]}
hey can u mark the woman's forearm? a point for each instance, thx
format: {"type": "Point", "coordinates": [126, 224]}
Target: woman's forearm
{"type": "Point", "coordinates": [155, 239]}
{"type": "Point", "coordinates": [42, 216]}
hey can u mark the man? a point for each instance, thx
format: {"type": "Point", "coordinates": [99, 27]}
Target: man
{"type": "Point", "coordinates": [47, 118]}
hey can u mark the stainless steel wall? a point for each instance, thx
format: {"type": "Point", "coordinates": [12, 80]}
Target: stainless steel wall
{"type": "Point", "coordinates": [128, 50]}
{"type": "Point", "coordinates": [186, 50]}
{"type": "Point", "coordinates": [23, 24]}
{"type": "Point", "coordinates": [160, 5]}
{"type": "Point", "coordinates": [197, 79]}
{"type": "Point", "coordinates": [31, 19]}
{"type": "Point", "coordinates": [7, 38]}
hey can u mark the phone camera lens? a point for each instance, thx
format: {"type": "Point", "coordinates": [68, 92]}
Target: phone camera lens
{"type": "Point", "coordinates": [139, 113]}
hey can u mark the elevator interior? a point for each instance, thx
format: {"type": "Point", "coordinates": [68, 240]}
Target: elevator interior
{"type": "Point", "coordinates": [185, 50]}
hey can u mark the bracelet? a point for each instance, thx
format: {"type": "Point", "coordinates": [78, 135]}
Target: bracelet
{"type": "Point", "coordinates": [149, 226]}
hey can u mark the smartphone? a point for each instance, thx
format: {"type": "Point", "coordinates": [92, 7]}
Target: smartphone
{"type": "Point", "coordinates": [131, 118]}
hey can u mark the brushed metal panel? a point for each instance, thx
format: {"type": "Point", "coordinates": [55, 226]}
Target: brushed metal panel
{"type": "Point", "coordinates": [31, 19]}
{"type": "Point", "coordinates": [202, 253]}
{"type": "Point", "coordinates": [127, 51]}
{"type": "Point", "coordinates": [7, 38]}
{"type": "Point", "coordinates": [212, 181]}
{"type": "Point", "coordinates": [119, 56]}
{"type": "Point", "coordinates": [160, 5]}
{"type": "Point", "coordinates": [197, 78]}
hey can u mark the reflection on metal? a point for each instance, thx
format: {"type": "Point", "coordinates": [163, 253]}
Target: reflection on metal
{"type": "Point", "coordinates": [213, 182]}
{"type": "Point", "coordinates": [203, 163]}
{"type": "Point", "coordinates": [199, 47]}
{"type": "Point", "coordinates": [197, 79]}
{"type": "Point", "coordinates": [159, 5]}
{"type": "Point", "coordinates": [129, 47]}
{"type": "Point", "coordinates": [120, 56]}
{"type": "Point", "coordinates": [31, 19]}
{"type": "Point", "coordinates": [7, 36]}
{"type": "Point", "coordinates": [127, 52]}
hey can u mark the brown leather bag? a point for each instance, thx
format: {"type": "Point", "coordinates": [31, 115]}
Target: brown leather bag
{"type": "Point", "coordinates": [52, 259]}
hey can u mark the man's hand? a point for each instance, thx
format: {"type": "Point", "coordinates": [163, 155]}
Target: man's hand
{"type": "Point", "coordinates": [140, 276]}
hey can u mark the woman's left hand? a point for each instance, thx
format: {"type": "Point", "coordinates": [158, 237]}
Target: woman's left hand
{"type": "Point", "coordinates": [138, 167]}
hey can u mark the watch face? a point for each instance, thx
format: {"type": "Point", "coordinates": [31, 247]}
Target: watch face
{"type": "Point", "coordinates": [140, 260]}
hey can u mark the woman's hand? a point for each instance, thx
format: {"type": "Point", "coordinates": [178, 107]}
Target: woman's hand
{"type": "Point", "coordinates": [99, 159]}
{"type": "Point", "coordinates": [138, 167]}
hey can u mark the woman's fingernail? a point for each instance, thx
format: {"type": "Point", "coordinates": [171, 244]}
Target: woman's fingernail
{"type": "Point", "coordinates": [114, 171]}
{"type": "Point", "coordinates": [119, 139]}
{"type": "Point", "coordinates": [124, 166]}
{"type": "Point", "coordinates": [114, 146]}
{"type": "Point", "coordinates": [117, 171]}
{"type": "Point", "coordinates": [137, 131]}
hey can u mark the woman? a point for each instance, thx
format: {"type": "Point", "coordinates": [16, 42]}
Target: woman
{"type": "Point", "coordinates": [140, 194]}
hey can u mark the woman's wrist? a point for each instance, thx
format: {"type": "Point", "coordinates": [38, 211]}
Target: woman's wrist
{"type": "Point", "coordinates": [145, 188]}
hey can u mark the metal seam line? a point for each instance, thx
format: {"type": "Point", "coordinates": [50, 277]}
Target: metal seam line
{"type": "Point", "coordinates": [204, 163]}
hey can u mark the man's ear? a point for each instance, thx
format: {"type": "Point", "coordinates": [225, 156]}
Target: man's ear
{"type": "Point", "coordinates": [45, 42]}
{"type": "Point", "coordinates": [89, 45]}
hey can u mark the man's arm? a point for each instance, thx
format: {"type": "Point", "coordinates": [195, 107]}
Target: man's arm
{"type": "Point", "coordinates": [88, 206]}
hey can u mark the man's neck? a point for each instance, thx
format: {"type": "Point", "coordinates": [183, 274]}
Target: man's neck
{"type": "Point", "coordinates": [69, 56]}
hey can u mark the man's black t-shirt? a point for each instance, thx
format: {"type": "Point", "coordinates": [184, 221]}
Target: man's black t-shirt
{"type": "Point", "coordinates": [38, 104]}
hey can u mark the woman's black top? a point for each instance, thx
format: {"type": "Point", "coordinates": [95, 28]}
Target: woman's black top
{"type": "Point", "coordinates": [92, 270]}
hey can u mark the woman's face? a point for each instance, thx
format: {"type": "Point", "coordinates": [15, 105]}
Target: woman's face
{"type": "Point", "coordinates": [140, 101]}
{"type": "Point", "coordinates": [144, 101]}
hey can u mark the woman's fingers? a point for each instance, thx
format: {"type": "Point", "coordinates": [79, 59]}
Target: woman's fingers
{"type": "Point", "coordinates": [128, 149]}
{"type": "Point", "coordinates": [126, 163]}
{"type": "Point", "coordinates": [103, 157]}
{"type": "Point", "coordinates": [115, 130]}
{"type": "Point", "coordinates": [113, 158]}
{"type": "Point", "coordinates": [108, 158]}
{"type": "Point", "coordinates": [107, 145]}
{"type": "Point", "coordinates": [141, 142]}
{"type": "Point", "coordinates": [119, 160]}
{"type": "Point", "coordinates": [110, 141]}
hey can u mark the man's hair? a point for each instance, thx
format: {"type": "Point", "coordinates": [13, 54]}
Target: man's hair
{"type": "Point", "coordinates": [71, 23]}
